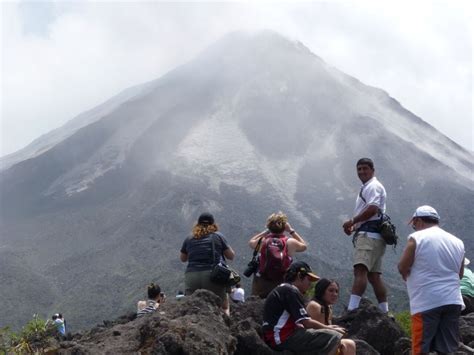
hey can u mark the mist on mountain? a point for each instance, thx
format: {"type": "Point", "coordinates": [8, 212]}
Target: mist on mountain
{"type": "Point", "coordinates": [95, 210]}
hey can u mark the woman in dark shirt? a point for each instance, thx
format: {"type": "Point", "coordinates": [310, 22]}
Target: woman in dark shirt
{"type": "Point", "coordinates": [197, 251]}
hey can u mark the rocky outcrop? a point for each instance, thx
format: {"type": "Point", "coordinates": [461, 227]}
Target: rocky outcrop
{"type": "Point", "coordinates": [369, 324]}
{"type": "Point", "coordinates": [466, 327]}
{"type": "Point", "coordinates": [196, 325]}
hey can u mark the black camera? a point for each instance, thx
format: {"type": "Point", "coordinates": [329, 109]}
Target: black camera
{"type": "Point", "coordinates": [251, 268]}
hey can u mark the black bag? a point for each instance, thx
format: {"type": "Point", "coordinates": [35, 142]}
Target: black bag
{"type": "Point", "coordinates": [222, 273]}
{"type": "Point", "coordinates": [253, 264]}
{"type": "Point", "coordinates": [388, 231]}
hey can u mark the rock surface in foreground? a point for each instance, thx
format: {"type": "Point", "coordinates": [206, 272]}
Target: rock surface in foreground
{"type": "Point", "coordinates": [196, 325]}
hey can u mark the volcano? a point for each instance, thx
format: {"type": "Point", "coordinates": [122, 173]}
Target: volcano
{"type": "Point", "coordinates": [256, 123]}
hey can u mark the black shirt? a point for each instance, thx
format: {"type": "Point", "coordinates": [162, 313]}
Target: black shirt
{"type": "Point", "coordinates": [283, 309]}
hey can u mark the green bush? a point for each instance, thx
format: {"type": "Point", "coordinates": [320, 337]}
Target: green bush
{"type": "Point", "coordinates": [404, 320]}
{"type": "Point", "coordinates": [5, 340]}
{"type": "Point", "coordinates": [33, 338]}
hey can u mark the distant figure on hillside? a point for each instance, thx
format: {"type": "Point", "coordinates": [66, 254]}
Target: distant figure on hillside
{"type": "Point", "coordinates": [179, 295]}
{"type": "Point", "coordinates": [238, 294]}
{"type": "Point", "coordinates": [467, 288]}
{"type": "Point", "coordinates": [326, 294]}
{"type": "Point", "coordinates": [275, 253]}
{"type": "Point", "coordinates": [59, 323]}
{"type": "Point", "coordinates": [432, 265]}
{"type": "Point", "coordinates": [197, 251]}
{"type": "Point", "coordinates": [60, 316]}
{"type": "Point", "coordinates": [287, 325]}
{"type": "Point", "coordinates": [155, 299]}
{"type": "Point", "coordinates": [369, 245]}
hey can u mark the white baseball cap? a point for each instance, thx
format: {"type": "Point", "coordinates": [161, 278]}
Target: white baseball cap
{"type": "Point", "coordinates": [425, 211]}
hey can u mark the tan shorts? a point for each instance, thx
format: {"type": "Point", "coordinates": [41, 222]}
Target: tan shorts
{"type": "Point", "coordinates": [369, 252]}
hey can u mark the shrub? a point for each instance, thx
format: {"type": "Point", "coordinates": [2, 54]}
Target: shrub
{"type": "Point", "coordinates": [35, 337]}
{"type": "Point", "coordinates": [5, 340]}
{"type": "Point", "coordinates": [404, 320]}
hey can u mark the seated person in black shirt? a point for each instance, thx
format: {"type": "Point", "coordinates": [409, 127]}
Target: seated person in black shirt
{"type": "Point", "coordinates": [287, 325]}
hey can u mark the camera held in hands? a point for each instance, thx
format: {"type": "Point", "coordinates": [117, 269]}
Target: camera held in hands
{"type": "Point", "coordinates": [252, 268]}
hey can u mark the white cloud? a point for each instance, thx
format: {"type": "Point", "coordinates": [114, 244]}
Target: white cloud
{"type": "Point", "coordinates": [419, 52]}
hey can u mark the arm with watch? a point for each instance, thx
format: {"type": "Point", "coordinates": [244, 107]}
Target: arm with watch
{"type": "Point", "coordinates": [296, 243]}
{"type": "Point", "coordinates": [368, 212]}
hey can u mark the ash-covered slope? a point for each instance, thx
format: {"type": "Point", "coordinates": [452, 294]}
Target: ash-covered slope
{"type": "Point", "coordinates": [255, 124]}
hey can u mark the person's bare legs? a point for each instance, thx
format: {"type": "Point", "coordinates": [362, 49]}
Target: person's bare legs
{"type": "Point", "coordinates": [226, 305]}
{"type": "Point", "coordinates": [348, 347]}
{"type": "Point", "coordinates": [380, 290]}
{"type": "Point", "coordinates": [359, 284]}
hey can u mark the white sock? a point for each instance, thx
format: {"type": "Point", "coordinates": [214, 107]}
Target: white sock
{"type": "Point", "coordinates": [354, 302]}
{"type": "Point", "coordinates": [383, 307]}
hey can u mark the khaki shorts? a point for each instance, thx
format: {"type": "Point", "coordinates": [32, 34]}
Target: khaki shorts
{"type": "Point", "coordinates": [369, 252]}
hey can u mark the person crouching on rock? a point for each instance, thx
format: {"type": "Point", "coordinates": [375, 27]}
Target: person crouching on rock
{"type": "Point", "coordinates": [59, 323]}
{"type": "Point", "coordinates": [155, 299]}
{"type": "Point", "coordinates": [326, 294]}
{"type": "Point", "coordinates": [275, 252]}
{"type": "Point", "coordinates": [287, 325]}
{"type": "Point", "coordinates": [197, 252]}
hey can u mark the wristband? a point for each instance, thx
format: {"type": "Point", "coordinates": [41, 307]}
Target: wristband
{"type": "Point", "coordinates": [292, 231]}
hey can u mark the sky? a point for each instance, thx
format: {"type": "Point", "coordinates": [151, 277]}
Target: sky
{"type": "Point", "coordinates": [61, 58]}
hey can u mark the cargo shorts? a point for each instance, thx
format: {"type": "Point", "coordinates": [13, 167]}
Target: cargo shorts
{"type": "Point", "coordinates": [369, 252]}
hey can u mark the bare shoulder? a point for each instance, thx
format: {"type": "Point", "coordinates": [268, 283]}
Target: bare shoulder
{"type": "Point", "coordinates": [313, 307]}
{"type": "Point", "coordinates": [141, 305]}
{"type": "Point", "coordinates": [295, 246]}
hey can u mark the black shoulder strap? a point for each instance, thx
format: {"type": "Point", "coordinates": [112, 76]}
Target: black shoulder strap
{"type": "Point", "coordinates": [360, 194]}
{"type": "Point", "coordinates": [256, 250]}
{"type": "Point", "coordinates": [214, 250]}
{"type": "Point", "coordinates": [379, 212]}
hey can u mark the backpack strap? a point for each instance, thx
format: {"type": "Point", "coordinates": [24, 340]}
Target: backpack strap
{"type": "Point", "coordinates": [214, 251]}
{"type": "Point", "coordinates": [257, 247]}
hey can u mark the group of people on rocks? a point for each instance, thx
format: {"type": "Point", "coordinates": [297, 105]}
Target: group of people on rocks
{"type": "Point", "coordinates": [432, 265]}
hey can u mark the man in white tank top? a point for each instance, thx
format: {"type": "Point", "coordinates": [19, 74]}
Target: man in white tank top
{"type": "Point", "coordinates": [432, 265]}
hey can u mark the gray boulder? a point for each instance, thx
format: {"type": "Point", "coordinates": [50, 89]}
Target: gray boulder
{"type": "Point", "coordinates": [368, 323]}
